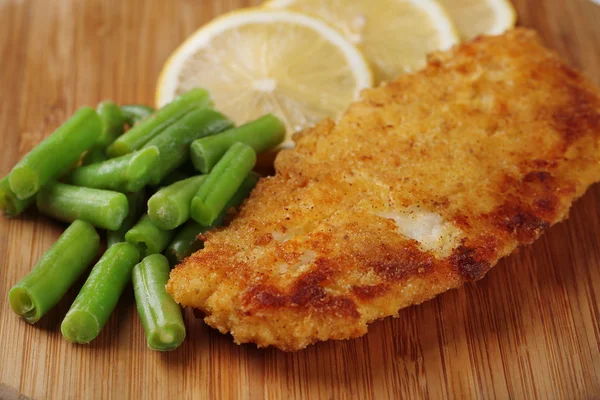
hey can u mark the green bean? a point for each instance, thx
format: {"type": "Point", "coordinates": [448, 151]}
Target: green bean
{"type": "Point", "coordinates": [128, 173]}
{"type": "Point", "coordinates": [160, 314]}
{"type": "Point", "coordinates": [102, 208]}
{"type": "Point", "coordinates": [222, 182]}
{"type": "Point", "coordinates": [174, 142]}
{"type": "Point", "coordinates": [10, 204]}
{"type": "Point", "coordinates": [186, 242]}
{"type": "Point", "coordinates": [56, 153]}
{"type": "Point", "coordinates": [113, 122]}
{"type": "Point", "coordinates": [135, 113]}
{"type": "Point", "coordinates": [137, 205]}
{"type": "Point", "coordinates": [240, 195]}
{"type": "Point", "coordinates": [147, 129]}
{"type": "Point", "coordinates": [170, 206]}
{"type": "Point", "coordinates": [113, 125]}
{"type": "Point", "coordinates": [261, 135]}
{"type": "Point", "coordinates": [147, 237]}
{"type": "Point", "coordinates": [100, 293]}
{"type": "Point", "coordinates": [58, 269]}
{"type": "Point", "coordinates": [244, 190]}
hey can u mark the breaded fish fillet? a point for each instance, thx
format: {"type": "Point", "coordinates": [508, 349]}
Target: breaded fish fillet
{"type": "Point", "coordinates": [423, 185]}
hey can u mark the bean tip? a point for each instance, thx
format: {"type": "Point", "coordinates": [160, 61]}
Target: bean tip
{"type": "Point", "coordinates": [167, 337]}
{"type": "Point", "coordinates": [24, 182]}
{"type": "Point", "coordinates": [80, 327]}
{"type": "Point", "coordinates": [23, 304]}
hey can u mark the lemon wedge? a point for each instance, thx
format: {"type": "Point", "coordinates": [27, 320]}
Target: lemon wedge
{"type": "Point", "coordinates": [477, 17]}
{"type": "Point", "coordinates": [259, 61]}
{"type": "Point", "coordinates": [395, 35]}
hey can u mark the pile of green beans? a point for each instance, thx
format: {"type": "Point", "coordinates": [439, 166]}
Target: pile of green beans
{"type": "Point", "coordinates": [96, 171]}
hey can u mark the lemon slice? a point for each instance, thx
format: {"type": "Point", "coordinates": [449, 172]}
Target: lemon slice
{"type": "Point", "coordinates": [395, 35]}
{"type": "Point", "coordinates": [258, 61]}
{"type": "Point", "coordinates": [477, 17]}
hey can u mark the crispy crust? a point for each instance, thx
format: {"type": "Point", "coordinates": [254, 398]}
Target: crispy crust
{"type": "Point", "coordinates": [497, 136]}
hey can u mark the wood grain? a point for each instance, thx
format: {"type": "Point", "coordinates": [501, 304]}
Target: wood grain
{"type": "Point", "coordinates": [529, 329]}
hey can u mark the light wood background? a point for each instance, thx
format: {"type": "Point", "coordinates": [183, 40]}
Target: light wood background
{"type": "Point", "coordinates": [529, 329]}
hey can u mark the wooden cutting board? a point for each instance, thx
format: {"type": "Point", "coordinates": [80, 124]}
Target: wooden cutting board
{"type": "Point", "coordinates": [530, 328]}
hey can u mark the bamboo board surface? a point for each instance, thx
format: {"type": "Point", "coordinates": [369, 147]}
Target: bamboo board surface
{"type": "Point", "coordinates": [529, 329]}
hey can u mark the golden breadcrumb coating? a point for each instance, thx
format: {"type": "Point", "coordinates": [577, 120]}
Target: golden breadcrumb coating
{"type": "Point", "coordinates": [423, 185]}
